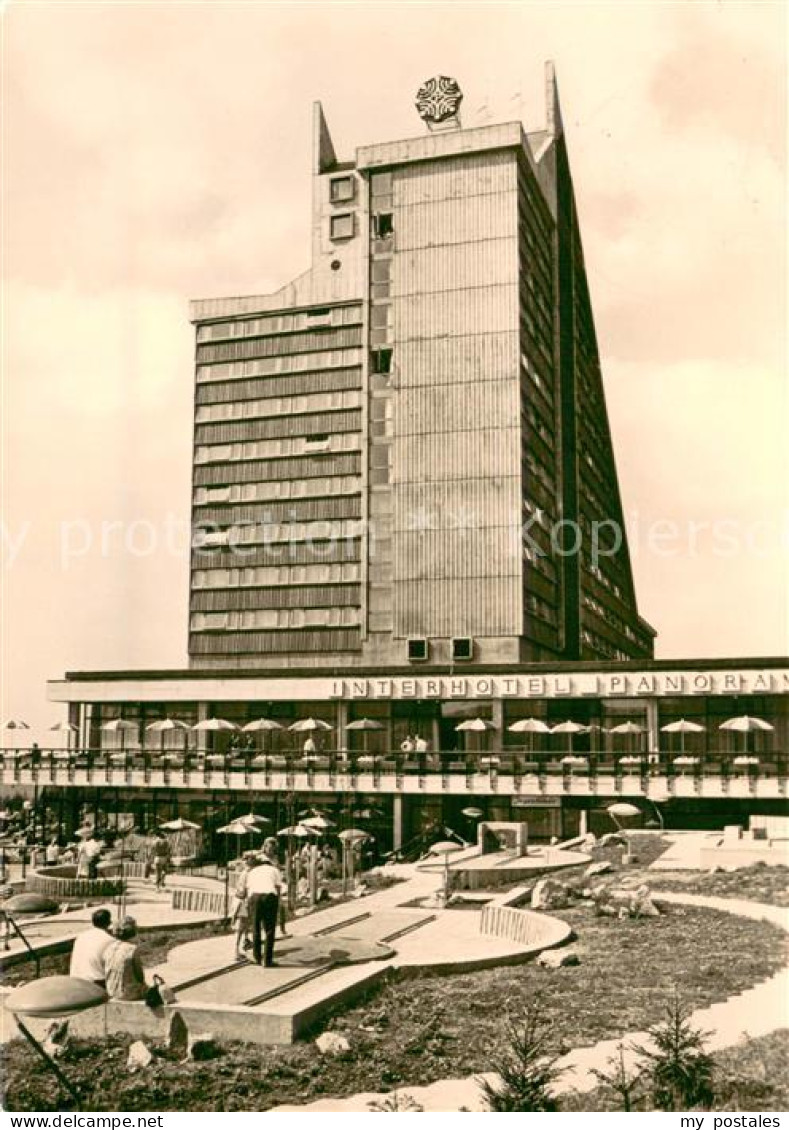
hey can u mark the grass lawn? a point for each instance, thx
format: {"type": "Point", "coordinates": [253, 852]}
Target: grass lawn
{"type": "Point", "coordinates": [751, 1076]}
{"type": "Point", "coordinates": [759, 882]}
{"type": "Point", "coordinates": [432, 1027]}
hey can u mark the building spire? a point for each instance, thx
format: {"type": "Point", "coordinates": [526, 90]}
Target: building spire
{"type": "Point", "coordinates": [323, 156]}
{"type": "Point", "coordinates": [553, 112]}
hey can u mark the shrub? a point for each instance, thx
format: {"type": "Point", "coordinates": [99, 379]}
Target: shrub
{"type": "Point", "coordinates": [526, 1068]}
{"type": "Point", "coordinates": [680, 1073]}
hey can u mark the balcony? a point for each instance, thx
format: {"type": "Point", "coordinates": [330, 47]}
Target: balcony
{"type": "Point", "coordinates": [715, 776]}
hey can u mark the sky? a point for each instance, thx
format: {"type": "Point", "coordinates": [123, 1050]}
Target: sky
{"type": "Point", "coordinates": [154, 153]}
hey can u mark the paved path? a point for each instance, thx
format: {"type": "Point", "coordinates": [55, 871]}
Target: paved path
{"type": "Point", "coordinates": [753, 1012]}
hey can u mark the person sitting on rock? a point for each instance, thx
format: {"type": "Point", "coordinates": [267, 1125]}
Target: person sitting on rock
{"type": "Point", "coordinates": [87, 956]}
{"type": "Point", "coordinates": [122, 966]}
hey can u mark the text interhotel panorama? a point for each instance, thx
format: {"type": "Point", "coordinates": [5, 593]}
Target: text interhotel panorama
{"type": "Point", "coordinates": [564, 685]}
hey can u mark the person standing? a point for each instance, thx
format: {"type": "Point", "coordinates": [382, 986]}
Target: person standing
{"type": "Point", "coordinates": [52, 852]}
{"type": "Point", "coordinates": [161, 860]}
{"type": "Point", "coordinates": [87, 956]}
{"type": "Point", "coordinates": [264, 886]}
{"type": "Point", "coordinates": [240, 916]}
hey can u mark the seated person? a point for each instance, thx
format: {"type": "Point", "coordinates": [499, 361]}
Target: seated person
{"type": "Point", "coordinates": [122, 965]}
{"type": "Point", "coordinates": [87, 956]}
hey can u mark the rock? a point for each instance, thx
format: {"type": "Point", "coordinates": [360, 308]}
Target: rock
{"type": "Point", "coordinates": [600, 868]}
{"type": "Point", "coordinates": [548, 894]}
{"type": "Point", "coordinates": [558, 959]}
{"type": "Point", "coordinates": [332, 1043]}
{"type": "Point", "coordinates": [139, 1056]}
{"type": "Point", "coordinates": [621, 902]}
{"type": "Point", "coordinates": [202, 1046]}
{"type": "Point", "coordinates": [178, 1036]}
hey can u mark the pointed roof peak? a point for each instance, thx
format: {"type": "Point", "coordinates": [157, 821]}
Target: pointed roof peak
{"type": "Point", "coordinates": [323, 155]}
{"type": "Point", "coordinates": [553, 112]}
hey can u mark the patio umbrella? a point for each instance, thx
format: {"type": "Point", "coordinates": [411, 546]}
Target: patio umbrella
{"type": "Point", "coordinates": [238, 829]}
{"type": "Point", "coordinates": [214, 725]}
{"type": "Point", "coordinates": [252, 820]}
{"type": "Point", "coordinates": [309, 725]}
{"type": "Point", "coordinates": [179, 825]}
{"type": "Point", "coordinates": [318, 823]}
{"type": "Point", "coordinates": [261, 726]}
{"type": "Point", "coordinates": [164, 726]}
{"type": "Point", "coordinates": [365, 725]}
{"type": "Point", "coordinates": [473, 813]}
{"type": "Point", "coordinates": [630, 729]}
{"type": "Point", "coordinates": [746, 724]}
{"type": "Point", "coordinates": [297, 830]}
{"type": "Point", "coordinates": [529, 726]}
{"type": "Point", "coordinates": [682, 726]}
{"type": "Point", "coordinates": [120, 726]}
{"type": "Point", "coordinates": [569, 728]}
{"type": "Point", "coordinates": [67, 728]}
{"type": "Point", "coordinates": [476, 726]}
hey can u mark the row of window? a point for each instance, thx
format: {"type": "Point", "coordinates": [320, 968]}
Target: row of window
{"type": "Point", "coordinates": [297, 596]}
{"type": "Point", "coordinates": [265, 576]}
{"type": "Point", "coordinates": [258, 619]}
{"type": "Point", "coordinates": [602, 647]}
{"type": "Point", "coordinates": [266, 533]}
{"type": "Point", "coordinates": [287, 385]}
{"type": "Point", "coordinates": [282, 345]}
{"type": "Point", "coordinates": [281, 323]}
{"type": "Point", "coordinates": [540, 608]}
{"type": "Point", "coordinates": [315, 428]}
{"type": "Point", "coordinates": [609, 617]}
{"type": "Point", "coordinates": [312, 466]}
{"type": "Point", "coordinates": [279, 406]}
{"type": "Point", "coordinates": [277, 448]}
{"type": "Point", "coordinates": [306, 641]}
{"type": "Point", "coordinates": [271, 366]}
{"type": "Point", "coordinates": [286, 489]}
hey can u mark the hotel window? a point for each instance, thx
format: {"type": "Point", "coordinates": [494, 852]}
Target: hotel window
{"type": "Point", "coordinates": [342, 226]}
{"type": "Point", "coordinates": [341, 189]}
{"type": "Point", "coordinates": [381, 317]}
{"type": "Point", "coordinates": [383, 225]}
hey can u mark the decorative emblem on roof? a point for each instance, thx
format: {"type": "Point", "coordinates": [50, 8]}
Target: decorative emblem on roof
{"type": "Point", "coordinates": [438, 100]}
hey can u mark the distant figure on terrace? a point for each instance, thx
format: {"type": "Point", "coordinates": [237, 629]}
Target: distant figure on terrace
{"type": "Point", "coordinates": [87, 956]}
{"type": "Point", "coordinates": [52, 852]}
{"type": "Point", "coordinates": [408, 745]}
{"type": "Point", "coordinates": [421, 745]}
{"type": "Point", "coordinates": [161, 860]}
{"type": "Point", "coordinates": [310, 746]}
{"type": "Point", "coordinates": [124, 973]}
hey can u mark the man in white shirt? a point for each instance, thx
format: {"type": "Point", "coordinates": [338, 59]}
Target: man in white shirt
{"type": "Point", "coordinates": [87, 957]}
{"type": "Point", "coordinates": [264, 884]}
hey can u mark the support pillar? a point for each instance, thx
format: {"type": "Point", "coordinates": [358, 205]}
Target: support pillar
{"type": "Point", "coordinates": [397, 822]}
{"type": "Point", "coordinates": [653, 731]}
{"type": "Point", "coordinates": [583, 823]}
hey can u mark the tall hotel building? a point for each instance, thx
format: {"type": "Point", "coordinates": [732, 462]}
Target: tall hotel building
{"type": "Point", "coordinates": [402, 472]}
{"type": "Point", "coordinates": [372, 440]}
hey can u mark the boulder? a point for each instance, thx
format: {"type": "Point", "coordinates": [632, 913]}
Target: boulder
{"type": "Point", "coordinates": [548, 894]}
{"type": "Point", "coordinates": [558, 959]}
{"type": "Point", "coordinates": [622, 902]}
{"type": "Point", "coordinates": [202, 1046]}
{"type": "Point", "coordinates": [178, 1036]}
{"type": "Point", "coordinates": [139, 1056]}
{"type": "Point", "coordinates": [332, 1043]}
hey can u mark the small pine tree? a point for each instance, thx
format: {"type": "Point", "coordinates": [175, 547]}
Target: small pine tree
{"type": "Point", "coordinates": [625, 1084]}
{"type": "Point", "coordinates": [526, 1068]}
{"type": "Point", "coordinates": [397, 1102]}
{"type": "Point", "coordinates": [680, 1073]}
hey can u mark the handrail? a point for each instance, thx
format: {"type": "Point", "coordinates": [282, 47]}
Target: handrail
{"type": "Point", "coordinates": [11, 921]}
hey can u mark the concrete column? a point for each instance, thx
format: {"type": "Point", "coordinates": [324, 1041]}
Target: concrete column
{"type": "Point", "coordinates": [397, 822]}
{"type": "Point", "coordinates": [583, 824]}
{"type": "Point", "coordinates": [653, 732]}
{"type": "Point", "coordinates": [498, 718]}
